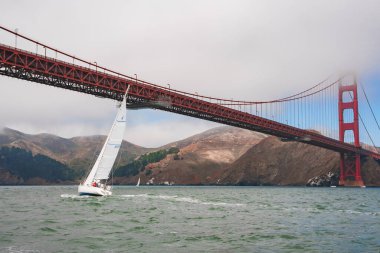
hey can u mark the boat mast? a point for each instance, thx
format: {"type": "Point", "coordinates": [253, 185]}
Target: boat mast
{"type": "Point", "coordinates": [94, 170]}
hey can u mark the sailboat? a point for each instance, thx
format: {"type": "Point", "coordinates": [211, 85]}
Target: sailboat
{"type": "Point", "coordinates": [138, 182]}
{"type": "Point", "coordinates": [96, 181]}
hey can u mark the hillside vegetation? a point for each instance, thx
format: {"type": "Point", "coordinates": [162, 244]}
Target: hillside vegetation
{"type": "Point", "coordinates": [23, 164]}
{"type": "Point", "coordinates": [139, 164]}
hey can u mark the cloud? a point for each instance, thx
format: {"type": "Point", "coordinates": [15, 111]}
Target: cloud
{"type": "Point", "coordinates": [164, 132]}
{"type": "Point", "coordinates": [252, 50]}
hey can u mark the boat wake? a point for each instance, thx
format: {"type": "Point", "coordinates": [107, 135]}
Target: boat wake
{"type": "Point", "coordinates": [74, 196]}
{"type": "Point", "coordinates": [182, 199]}
{"type": "Point", "coordinates": [18, 249]}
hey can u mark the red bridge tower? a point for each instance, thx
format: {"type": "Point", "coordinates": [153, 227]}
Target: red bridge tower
{"type": "Point", "coordinates": [350, 174]}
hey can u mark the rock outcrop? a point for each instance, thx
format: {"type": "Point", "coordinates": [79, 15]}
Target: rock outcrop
{"type": "Point", "coordinates": [329, 179]}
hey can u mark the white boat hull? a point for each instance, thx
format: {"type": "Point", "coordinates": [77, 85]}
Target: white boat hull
{"type": "Point", "coordinates": [93, 191]}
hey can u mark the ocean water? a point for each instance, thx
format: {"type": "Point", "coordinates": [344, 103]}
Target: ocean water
{"type": "Point", "coordinates": [190, 219]}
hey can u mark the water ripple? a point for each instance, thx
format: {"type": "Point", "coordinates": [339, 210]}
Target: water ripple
{"type": "Point", "coordinates": [182, 199]}
{"type": "Point", "coordinates": [190, 219]}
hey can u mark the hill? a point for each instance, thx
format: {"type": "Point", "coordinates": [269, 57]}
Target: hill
{"type": "Point", "coordinates": [200, 159]}
{"type": "Point", "coordinates": [18, 166]}
{"type": "Point", "coordinates": [220, 156]}
{"type": "Point", "coordinates": [77, 153]}
{"type": "Point", "coordinates": [272, 162]}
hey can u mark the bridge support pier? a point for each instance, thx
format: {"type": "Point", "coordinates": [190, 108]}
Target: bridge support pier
{"type": "Point", "coordinates": [350, 166]}
{"type": "Point", "coordinates": [350, 170]}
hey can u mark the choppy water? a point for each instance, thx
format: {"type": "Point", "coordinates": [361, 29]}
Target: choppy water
{"type": "Point", "coordinates": [190, 219]}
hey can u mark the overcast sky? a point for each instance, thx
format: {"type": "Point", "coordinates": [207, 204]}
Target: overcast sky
{"type": "Point", "coordinates": [252, 50]}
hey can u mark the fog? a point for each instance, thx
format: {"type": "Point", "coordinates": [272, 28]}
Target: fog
{"type": "Point", "coordinates": [251, 50]}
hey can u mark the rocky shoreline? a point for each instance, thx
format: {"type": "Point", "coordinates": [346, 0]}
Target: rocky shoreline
{"type": "Point", "coordinates": [327, 180]}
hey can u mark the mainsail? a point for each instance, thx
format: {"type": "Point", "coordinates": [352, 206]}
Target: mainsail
{"type": "Point", "coordinates": [107, 156]}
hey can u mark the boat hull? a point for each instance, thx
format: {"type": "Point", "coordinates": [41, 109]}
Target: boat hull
{"type": "Point", "coordinates": [93, 191]}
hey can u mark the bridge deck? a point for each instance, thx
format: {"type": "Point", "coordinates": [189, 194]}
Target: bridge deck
{"type": "Point", "coordinates": [41, 69]}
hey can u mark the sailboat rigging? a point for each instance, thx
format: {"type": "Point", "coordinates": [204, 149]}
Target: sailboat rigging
{"type": "Point", "coordinates": [96, 181]}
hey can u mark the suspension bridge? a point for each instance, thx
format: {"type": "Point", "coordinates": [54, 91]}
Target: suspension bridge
{"type": "Point", "coordinates": [326, 115]}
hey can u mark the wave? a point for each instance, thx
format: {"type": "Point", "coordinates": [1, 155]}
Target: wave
{"type": "Point", "coordinates": [163, 197]}
{"type": "Point", "coordinates": [18, 249]}
{"type": "Point", "coordinates": [359, 212]}
{"type": "Point", "coordinates": [182, 199]}
{"type": "Point", "coordinates": [323, 209]}
{"type": "Point", "coordinates": [73, 196]}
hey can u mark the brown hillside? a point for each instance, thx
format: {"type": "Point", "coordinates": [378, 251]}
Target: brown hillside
{"type": "Point", "coordinates": [78, 152]}
{"type": "Point", "coordinates": [272, 162]}
{"type": "Point", "coordinates": [201, 157]}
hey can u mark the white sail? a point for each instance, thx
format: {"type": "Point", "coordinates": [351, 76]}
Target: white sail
{"type": "Point", "coordinates": [138, 182]}
{"type": "Point", "coordinates": [107, 156]}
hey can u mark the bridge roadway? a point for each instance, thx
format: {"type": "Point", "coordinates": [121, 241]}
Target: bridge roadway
{"type": "Point", "coordinates": [33, 67]}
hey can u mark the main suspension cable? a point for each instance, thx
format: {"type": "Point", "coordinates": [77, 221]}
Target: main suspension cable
{"type": "Point", "coordinates": [369, 104]}
{"type": "Point", "coordinates": [365, 127]}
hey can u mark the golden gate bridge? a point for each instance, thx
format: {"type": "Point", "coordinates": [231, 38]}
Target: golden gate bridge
{"type": "Point", "coordinates": [325, 115]}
